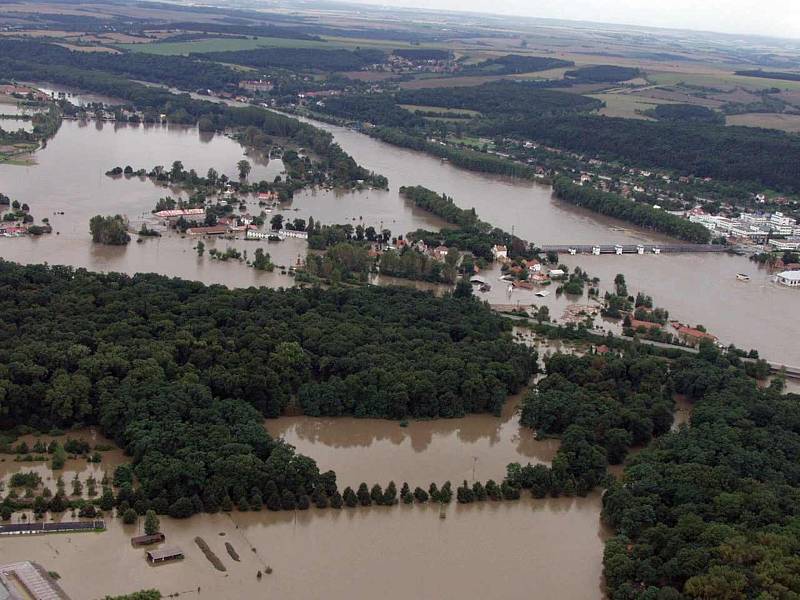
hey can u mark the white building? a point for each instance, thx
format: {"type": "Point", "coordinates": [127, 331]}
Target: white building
{"type": "Point", "coordinates": [499, 252]}
{"type": "Point", "coordinates": [788, 278]}
{"type": "Point", "coordinates": [284, 233]}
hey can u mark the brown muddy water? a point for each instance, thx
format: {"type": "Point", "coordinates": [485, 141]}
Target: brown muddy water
{"type": "Point", "coordinates": [69, 177]}
{"type": "Point", "coordinates": [370, 450]}
{"type": "Point", "coordinates": [527, 549]}
{"type": "Point", "coordinates": [74, 466]}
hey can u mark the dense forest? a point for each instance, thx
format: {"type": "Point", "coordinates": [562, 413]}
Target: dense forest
{"type": "Point", "coordinates": [770, 74]}
{"type": "Point", "coordinates": [176, 71]}
{"type": "Point", "coordinates": [180, 375]}
{"type": "Point", "coordinates": [299, 59]}
{"type": "Point", "coordinates": [599, 407]}
{"type": "Point", "coordinates": [602, 74]}
{"type": "Point", "coordinates": [498, 99]}
{"type": "Point", "coordinates": [745, 154]}
{"type": "Point", "coordinates": [377, 109]}
{"type": "Point", "coordinates": [643, 215]}
{"type": "Point", "coordinates": [712, 510]}
{"type": "Point", "coordinates": [512, 64]}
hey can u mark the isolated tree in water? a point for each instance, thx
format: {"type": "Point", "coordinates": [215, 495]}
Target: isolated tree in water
{"type": "Point", "coordinates": [244, 168]}
{"type": "Point", "coordinates": [151, 523]}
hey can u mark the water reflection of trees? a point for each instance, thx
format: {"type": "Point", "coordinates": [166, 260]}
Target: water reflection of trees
{"type": "Point", "coordinates": [486, 430]}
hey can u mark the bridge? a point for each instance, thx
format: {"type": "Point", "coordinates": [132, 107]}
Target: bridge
{"type": "Point", "coordinates": [632, 248]}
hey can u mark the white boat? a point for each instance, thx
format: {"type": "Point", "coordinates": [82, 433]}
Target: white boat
{"type": "Point", "coordinates": [742, 277]}
{"type": "Point", "coordinates": [543, 293]}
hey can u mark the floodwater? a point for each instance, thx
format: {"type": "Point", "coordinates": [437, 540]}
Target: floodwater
{"type": "Point", "coordinates": [73, 466]}
{"type": "Point", "coordinates": [74, 182]}
{"type": "Point", "coordinates": [693, 287]}
{"type": "Point", "coordinates": [370, 450]}
{"type": "Point", "coordinates": [703, 288]}
{"type": "Point", "coordinates": [513, 550]}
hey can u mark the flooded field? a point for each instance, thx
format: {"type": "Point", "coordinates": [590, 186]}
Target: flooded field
{"type": "Point", "coordinates": [511, 550]}
{"type": "Point", "coordinates": [370, 450]}
{"type": "Point", "coordinates": [111, 457]}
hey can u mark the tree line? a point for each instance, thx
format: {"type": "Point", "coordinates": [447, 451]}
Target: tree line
{"type": "Point", "coordinates": [298, 59]}
{"type": "Point", "coordinates": [739, 154]}
{"type": "Point", "coordinates": [643, 215]}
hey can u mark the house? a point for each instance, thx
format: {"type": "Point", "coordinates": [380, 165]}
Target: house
{"type": "Point", "coordinates": [636, 324]}
{"type": "Point", "coordinates": [499, 252]}
{"type": "Point", "coordinates": [534, 266]}
{"type": "Point", "coordinates": [556, 273]}
{"type": "Point", "coordinates": [211, 230]}
{"type": "Point", "coordinates": [181, 212]}
{"type": "Point", "coordinates": [789, 278]}
{"type": "Point", "coordinates": [146, 540]}
{"type": "Point", "coordinates": [440, 253]}
{"type": "Point", "coordinates": [694, 336]}
{"type": "Point", "coordinates": [601, 349]}
{"type": "Point", "coordinates": [284, 233]}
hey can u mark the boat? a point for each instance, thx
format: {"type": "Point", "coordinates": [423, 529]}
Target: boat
{"type": "Point", "coordinates": [742, 277]}
{"type": "Point", "coordinates": [543, 293]}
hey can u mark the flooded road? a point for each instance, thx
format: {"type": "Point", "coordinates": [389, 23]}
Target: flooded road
{"type": "Point", "coordinates": [370, 450]}
{"type": "Point", "coordinates": [512, 550]}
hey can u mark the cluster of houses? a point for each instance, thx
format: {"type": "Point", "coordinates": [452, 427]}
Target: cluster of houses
{"type": "Point", "coordinates": [689, 335]}
{"type": "Point", "coordinates": [752, 227]}
{"type": "Point", "coordinates": [535, 270]}
{"type": "Point", "coordinates": [402, 64]}
{"type": "Point", "coordinates": [12, 230]}
{"type": "Point", "coordinates": [23, 91]}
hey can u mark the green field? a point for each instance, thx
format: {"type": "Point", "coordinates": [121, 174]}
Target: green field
{"type": "Point", "coordinates": [720, 81]}
{"type": "Point", "coordinates": [231, 44]}
{"type": "Point", "coordinates": [626, 106]}
{"type": "Point", "coordinates": [439, 109]}
{"type": "Point", "coordinates": [222, 45]}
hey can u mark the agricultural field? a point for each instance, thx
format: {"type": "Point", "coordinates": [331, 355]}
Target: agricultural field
{"type": "Point", "coordinates": [626, 105]}
{"type": "Point", "coordinates": [220, 45]}
{"type": "Point", "coordinates": [720, 81]}
{"type": "Point", "coordinates": [789, 123]}
{"type": "Point", "coordinates": [439, 109]}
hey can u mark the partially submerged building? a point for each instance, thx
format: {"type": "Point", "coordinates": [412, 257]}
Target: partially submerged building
{"type": "Point", "coordinates": [166, 554]}
{"type": "Point", "coordinates": [25, 580]}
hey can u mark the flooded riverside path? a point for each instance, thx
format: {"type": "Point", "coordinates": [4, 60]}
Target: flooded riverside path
{"type": "Point", "coordinates": [537, 549]}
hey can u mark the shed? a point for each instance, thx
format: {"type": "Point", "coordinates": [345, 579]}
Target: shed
{"type": "Point", "coordinates": [146, 540]}
{"type": "Point", "coordinates": [160, 555]}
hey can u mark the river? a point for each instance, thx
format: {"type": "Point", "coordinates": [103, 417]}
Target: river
{"type": "Point", "coordinates": [69, 177]}
{"type": "Point", "coordinates": [695, 288]}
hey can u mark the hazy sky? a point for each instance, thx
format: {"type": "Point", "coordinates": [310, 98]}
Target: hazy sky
{"type": "Point", "coordinates": [763, 17]}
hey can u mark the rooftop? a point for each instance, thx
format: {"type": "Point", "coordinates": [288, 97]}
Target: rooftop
{"type": "Point", "coordinates": [790, 275]}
